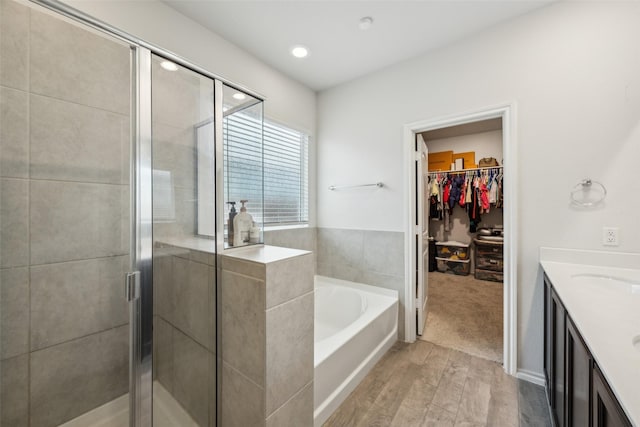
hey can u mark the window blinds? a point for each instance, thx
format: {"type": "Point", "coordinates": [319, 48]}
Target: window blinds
{"type": "Point", "coordinates": [285, 178]}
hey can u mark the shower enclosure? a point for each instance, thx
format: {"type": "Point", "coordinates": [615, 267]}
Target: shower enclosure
{"type": "Point", "coordinates": [112, 170]}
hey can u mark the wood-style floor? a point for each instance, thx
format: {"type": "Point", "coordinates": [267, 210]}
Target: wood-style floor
{"type": "Point", "coordinates": [423, 384]}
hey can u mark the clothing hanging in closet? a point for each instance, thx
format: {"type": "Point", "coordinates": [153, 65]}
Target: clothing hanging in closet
{"type": "Point", "coordinates": [476, 191]}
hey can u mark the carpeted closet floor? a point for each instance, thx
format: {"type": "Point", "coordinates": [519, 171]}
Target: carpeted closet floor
{"type": "Point", "coordinates": [465, 314]}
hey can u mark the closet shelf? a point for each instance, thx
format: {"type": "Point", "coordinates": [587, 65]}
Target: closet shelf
{"type": "Point", "coordinates": [467, 170]}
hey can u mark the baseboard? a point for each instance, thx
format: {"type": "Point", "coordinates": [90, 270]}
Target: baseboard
{"type": "Point", "coordinates": [532, 377]}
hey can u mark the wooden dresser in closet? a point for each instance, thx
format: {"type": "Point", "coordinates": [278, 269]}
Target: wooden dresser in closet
{"type": "Point", "coordinates": [489, 260]}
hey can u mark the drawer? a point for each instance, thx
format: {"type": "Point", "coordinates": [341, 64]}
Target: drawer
{"type": "Point", "coordinates": [490, 263]}
{"type": "Point", "coordinates": [491, 251]}
{"type": "Point", "coordinates": [452, 250]}
{"type": "Point", "coordinates": [459, 267]}
{"type": "Point", "coordinates": [492, 276]}
{"type": "Point", "coordinates": [492, 246]}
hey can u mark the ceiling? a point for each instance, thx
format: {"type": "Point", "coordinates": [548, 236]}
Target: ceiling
{"type": "Point", "coordinates": [340, 51]}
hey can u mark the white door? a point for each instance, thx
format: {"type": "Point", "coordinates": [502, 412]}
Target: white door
{"type": "Point", "coordinates": [422, 232]}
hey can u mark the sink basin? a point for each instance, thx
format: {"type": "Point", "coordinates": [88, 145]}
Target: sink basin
{"type": "Point", "coordinates": [610, 282]}
{"type": "Point", "coordinates": [636, 342]}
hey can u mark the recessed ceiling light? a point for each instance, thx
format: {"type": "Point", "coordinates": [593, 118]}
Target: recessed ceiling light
{"type": "Point", "coordinates": [239, 96]}
{"type": "Point", "coordinates": [168, 65]}
{"type": "Point", "coordinates": [365, 23]}
{"type": "Point", "coordinates": [300, 51]}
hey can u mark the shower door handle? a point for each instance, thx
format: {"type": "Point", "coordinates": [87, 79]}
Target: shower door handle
{"type": "Point", "coordinates": [132, 285]}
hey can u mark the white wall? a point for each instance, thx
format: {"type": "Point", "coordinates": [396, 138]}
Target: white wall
{"type": "Point", "coordinates": [573, 69]}
{"type": "Point", "coordinates": [287, 101]}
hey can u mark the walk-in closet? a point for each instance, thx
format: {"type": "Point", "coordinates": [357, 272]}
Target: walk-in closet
{"type": "Point", "coordinates": [465, 201]}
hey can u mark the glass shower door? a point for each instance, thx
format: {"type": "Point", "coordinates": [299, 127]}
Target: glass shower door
{"type": "Point", "coordinates": [65, 242]}
{"type": "Point", "coordinates": [184, 300]}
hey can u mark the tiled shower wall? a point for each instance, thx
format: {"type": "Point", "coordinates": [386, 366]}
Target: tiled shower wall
{"type": "Point", "coordinates": [181, 99]}
{"type": "Point", "coordinates": [184, 328]}
{"type": "Point", "coordinates": [64, 242]}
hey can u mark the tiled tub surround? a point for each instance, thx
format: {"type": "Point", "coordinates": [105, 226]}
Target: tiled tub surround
{"type": "Point", "coordinates": [607, 316]}
{"type": "Point", "coordinates": [303, 238]}
{"type": "Point", "coordinates": [364, 256]}
{"type": "Point", "coordinates": [267, 337]}
{"type": "Point", "coordinates": [184, 327]}
{"type": "Point", "coordinates": [64, 203]}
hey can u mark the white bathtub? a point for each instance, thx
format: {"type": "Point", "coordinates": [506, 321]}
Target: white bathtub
{"type": "Point", "coordinates": [355, 324]}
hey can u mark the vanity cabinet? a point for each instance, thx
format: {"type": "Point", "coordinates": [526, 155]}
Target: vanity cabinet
{"type": "Point", "coordinates": [578, 374]}
{"type": "Point", "coordinates": [547, 339]}
{"type": "Point", "coordinates": [605, 409]}
{"type": "Point", "coordinates": [555, 317]}
{"type": "Point", "coordinates": [577, 392]}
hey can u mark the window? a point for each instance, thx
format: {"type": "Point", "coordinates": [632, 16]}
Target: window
{"type": "Point", "coordinates": [284, 179]}
{"type": "Point", "coordinates": [286, 175]}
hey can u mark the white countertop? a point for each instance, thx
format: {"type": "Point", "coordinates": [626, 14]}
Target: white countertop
{"type": "Point", "coordinates": [606, 313]}
{"type": "Point", "coordinates": [192, 243]}
{"type": "Point", "coordinates": [259, 253]}
{"type": "Point", "coordinates": [263, 254]}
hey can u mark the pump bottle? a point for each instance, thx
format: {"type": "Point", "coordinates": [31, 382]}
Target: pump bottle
{"type": "Point", "coordinates": [232, 214]}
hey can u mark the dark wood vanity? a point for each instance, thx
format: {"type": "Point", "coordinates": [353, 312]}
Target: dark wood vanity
{"type": "Point", "coordinates": [577, 392]}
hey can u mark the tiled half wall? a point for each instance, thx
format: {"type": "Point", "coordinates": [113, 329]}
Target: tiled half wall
{"type": "Point", "coordinates": [366, 256]}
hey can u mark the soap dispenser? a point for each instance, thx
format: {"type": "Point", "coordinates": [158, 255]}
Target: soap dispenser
{"type": "Point", "coordinates": [232, 215]}
{"type": "Point", "coordinates": [242, 224]}
{"type": "Point", "coordinates": [254, 234]}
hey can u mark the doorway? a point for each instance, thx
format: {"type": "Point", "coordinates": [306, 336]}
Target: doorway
{"type": "Point", "coordinates": [463, 204]}
{"type": "Point", "coordinates": [417, 231]}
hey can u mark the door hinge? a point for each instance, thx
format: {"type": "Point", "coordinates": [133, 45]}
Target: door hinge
{"type": "Point", "coordinates": [132, 285]}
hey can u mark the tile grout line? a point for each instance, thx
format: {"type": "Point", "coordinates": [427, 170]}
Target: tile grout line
{"type": "Point", "coordinates": [70, 181]}
{"type": "Point", "coordinates": [76, 103]}
{"type": "Point", "coordinates": [68, 341]}
{"type": "Point", "coordinates": [237, 371]}
{"type": "Point", "coordinates": [29, 403]}
{"type": "Point", "coordinates": [188, 335]}
{"type": "Point", "coordinates": [294, 299]}
{"type": "Point", "coordinates": [59, 263]}
{"type": "Point", "coordinates": [294, 395]}
{"type": "Point", "coordinates": [243, 275]}
{"type": "Point", "coordinates": [464, 385]}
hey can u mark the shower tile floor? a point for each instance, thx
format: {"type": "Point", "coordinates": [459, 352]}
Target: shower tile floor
{"type": "Point", "coordinates": [424, 384]}
{"type": "Point", "coordinates": [167, 412]}
{"type": "Point", "coordinates": [465, 314]}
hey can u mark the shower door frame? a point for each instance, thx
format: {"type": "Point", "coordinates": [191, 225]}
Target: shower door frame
{"type": "Point", "coordinates": [139, 282]}
{"type": "Point", "coordinates": [141, 297]}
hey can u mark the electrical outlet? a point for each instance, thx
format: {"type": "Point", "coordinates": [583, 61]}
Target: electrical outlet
{"type": "Point", "coordinates": [610, 236]}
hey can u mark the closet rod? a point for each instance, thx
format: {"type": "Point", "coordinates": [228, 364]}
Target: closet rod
{"type": "Point", "coordinates": [467, 170]}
